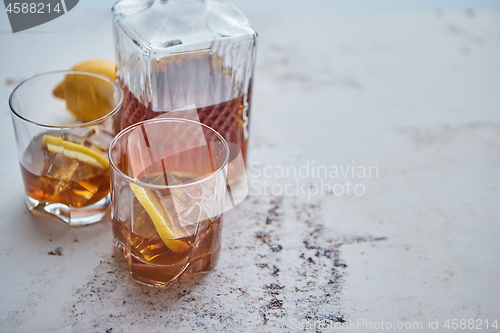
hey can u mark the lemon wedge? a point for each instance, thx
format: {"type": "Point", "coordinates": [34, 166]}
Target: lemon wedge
{"type": "Point", "coordinates": [160, 219]}
{"type": "Point", "coordinates": [74, 150]}
{"type": "Point", "coordinates": [101, 66]}
{"type": "Point", "coordinates": [88, 97]}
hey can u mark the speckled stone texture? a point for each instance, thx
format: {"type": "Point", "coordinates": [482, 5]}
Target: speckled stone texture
{"type": "Point", "coordinates": [262, 273]}
{"type": "Point", "coordinates": [414, 94]}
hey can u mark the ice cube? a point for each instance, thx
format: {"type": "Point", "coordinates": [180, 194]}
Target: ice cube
{"type": "Point", "coordinates": [192, 204]}
{"type": "Point", "coordinates": [140, 224]}
{"type": "Point", "coordinates": [35, 159]}
{"type": "Point", "coordinates": [185, 206]}
{"type": "Point", "coordinates": [80, 192]}
{"type": "Point", "coordinates": [85, 171]}
{"type": "Point", "coordinates": [61, 168]}
{"type": "Point", "coordinates": [79, 135]}
{"type": "Point", "coordinates": [56, 167]}
{"type": "Point", "coordinates": [99, 141]}
{"type": "Point", "coordinates": [47, 185]}
{"type": "Point", "coordinates": [186, 197]}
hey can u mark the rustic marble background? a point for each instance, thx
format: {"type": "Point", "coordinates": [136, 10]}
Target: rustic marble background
{"type": "Point", "coordinates": [415, 94]}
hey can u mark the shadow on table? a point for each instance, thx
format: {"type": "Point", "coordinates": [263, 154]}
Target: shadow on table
{"type": "Point", "coordinates": [42, 229]}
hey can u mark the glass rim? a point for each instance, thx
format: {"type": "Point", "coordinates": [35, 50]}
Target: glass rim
{"type": "Point", "coordinates": [83, 124]}
{"type": "Point", "coordinates": [166, 120]}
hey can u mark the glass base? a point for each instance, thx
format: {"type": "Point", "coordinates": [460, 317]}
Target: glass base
{"type": "Point", "coordinates": [159, 276]}
{"type": "Point", "coordinates": [75, 217]}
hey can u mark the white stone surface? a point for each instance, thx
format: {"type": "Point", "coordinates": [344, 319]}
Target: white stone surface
{"type": "Point", "coordinates": [415, 94]}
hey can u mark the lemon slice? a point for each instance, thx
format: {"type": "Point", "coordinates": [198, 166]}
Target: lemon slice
{"type": "Point", "coordinates": [160, 219]}
{"type": "Point", "coordinates": [87, 97]}
{"type": "Point", "coordinates": [76, 151]}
